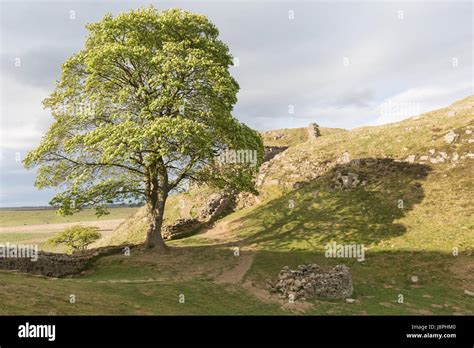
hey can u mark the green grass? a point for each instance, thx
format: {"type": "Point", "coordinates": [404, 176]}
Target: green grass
{"type": "Point", "coordinates": [418, 240]}
{"type": "Point", "coordinates": [49, 216]}
{"type": "Point", "coordinates": [104, 292]}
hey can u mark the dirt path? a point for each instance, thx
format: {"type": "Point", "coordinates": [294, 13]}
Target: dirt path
{"type": "Point", "coordinates": [236, 274]}
{"type": "Point", "coordinates": [220, 231]}
{"type": "Point", "coordinates": [103, 225]}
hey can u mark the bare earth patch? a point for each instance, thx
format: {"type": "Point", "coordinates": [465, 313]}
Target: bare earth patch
{"type": "Point", "coordinates": [236, 274]}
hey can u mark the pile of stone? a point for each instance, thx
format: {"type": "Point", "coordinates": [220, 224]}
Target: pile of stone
{"type": "Point", "coordinates": [313, 281]}
{"type": "Point", "coordinates": [58, 265]}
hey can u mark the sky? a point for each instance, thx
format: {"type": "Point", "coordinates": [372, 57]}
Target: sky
{"type": "Point", "coordinates": [340, 64]}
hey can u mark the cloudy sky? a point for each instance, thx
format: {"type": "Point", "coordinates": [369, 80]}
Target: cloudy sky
{"type": "Point", "coordinates": [340, 64]}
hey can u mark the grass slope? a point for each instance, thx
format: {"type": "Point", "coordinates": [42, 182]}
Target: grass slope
{"type": "Point", "coordinates": [418, 240]}
{"type": "Point", "coordinates": [22, 217]}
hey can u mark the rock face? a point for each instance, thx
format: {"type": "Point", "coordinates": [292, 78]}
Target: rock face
{"type": "Point", "coordinates": [313, 131]}
{"type": "Point", "coordinates": [214, 206]}
{"type": "Point", "coordinates": [311, 281]}
{"type": "Point", "coordinates": [272, 151]}
{"type": "Point", "coordinates": [58, 265]}
{"type": "Point", "coordinates": [450, 137]}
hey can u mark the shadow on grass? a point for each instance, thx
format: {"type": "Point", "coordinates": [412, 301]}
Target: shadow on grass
{"type": "Point", "coordinates": [322, 211]}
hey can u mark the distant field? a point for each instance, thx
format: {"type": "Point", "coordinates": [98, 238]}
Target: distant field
{"type": "Point", "coordinates": [46, 216]}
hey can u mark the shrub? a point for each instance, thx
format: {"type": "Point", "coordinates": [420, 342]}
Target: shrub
{"type": "Point", "coordinates": [77, 237]}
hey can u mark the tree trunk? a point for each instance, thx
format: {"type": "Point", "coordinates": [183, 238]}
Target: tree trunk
{"type": "Point", "coordinates": [155, 210]}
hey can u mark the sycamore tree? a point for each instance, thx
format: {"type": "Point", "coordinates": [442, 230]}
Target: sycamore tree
{"type": "Point", "coordinates": [144, 107]}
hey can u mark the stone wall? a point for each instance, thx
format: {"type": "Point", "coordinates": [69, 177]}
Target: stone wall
{"type": "Point", "coordinates": [58, 265]}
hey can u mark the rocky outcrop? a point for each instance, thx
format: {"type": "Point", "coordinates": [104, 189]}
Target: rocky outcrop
{"type": "Point", "coordinates": [348, 180]}
{"type": "Point", "coordinates": [58, 265]}
{"type": "Point", "coordinates": [313, 281]}
{"type": "Point", "coordinates": [451, 137]}
{"type": "Point", "coordinates": [272, 151]}
{"type": "Point", "coordinates": [215, 206]}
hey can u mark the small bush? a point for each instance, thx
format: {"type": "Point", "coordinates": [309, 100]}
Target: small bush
{"type": "Point", "coordinates": [77, 237]}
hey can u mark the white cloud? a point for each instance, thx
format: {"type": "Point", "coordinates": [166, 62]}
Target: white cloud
{"type": "Point", "coordinates": [416, 101]}
{"type": "Point", "coordinates": [22, 117]}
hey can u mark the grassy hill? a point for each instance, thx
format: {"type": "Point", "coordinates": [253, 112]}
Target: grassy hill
{"type": "Point", "coordinates": [301, 209]}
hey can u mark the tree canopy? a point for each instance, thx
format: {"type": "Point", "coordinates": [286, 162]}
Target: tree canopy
{"type": "Point", "coordinates": [143, 107]}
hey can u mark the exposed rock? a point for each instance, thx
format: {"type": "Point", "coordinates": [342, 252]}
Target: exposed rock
{"type": "Point", "coordinates": [181, 228]}
{"type": "Point", "coordinates": [351, 180]}
{"type": "Point", "coordinates": [311, 281]}
{"type": "Point", "coordinates": [424, 158]}
{"type": "Point", "coordinates": [271, 151]}
{"type": "Point", "coordinates": [345, 158]}
{"type": "Point", "coordinates": [438, 159]}
{"type": "Point", "coordinates": [410, 159]}
{"type": "Point", "coordinates": [246, 199]}
{"type": "Point", "coordinates": [450, 137]}
{"type": "Point", "coordinates": [215, 206]}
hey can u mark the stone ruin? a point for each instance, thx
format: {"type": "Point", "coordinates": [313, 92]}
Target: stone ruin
{"type": "Point", "coordinates": [313, 281]}
{"type": "Point", "coordinates": [58, 265]}
{"type": "Point", "coordinates": [313, 131]}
